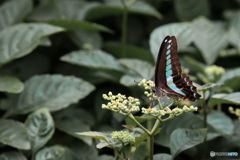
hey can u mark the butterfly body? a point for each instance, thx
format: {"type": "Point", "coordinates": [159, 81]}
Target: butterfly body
{"type": "Point", "coordinates": [169, 79]}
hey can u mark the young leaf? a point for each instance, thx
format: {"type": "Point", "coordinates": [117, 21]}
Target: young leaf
{"type": "Point", "coordinates": [52, 91]}
{"type": "Point", "coordinates": [40, 126]}
{"type": "Point", "coordinates": [12, 12]}
{"type": "Point", "coordinates": [97, 135]}
{"type": "Point", "coordinates": [182, 139]}
{"type": "Point", "coordinates": [26, 38]}
{"type": "Point", "coordinates": [182, 31]}
{"type": "Point", "coordinates": [14, 134]}
{"type": "Point", "coordinates": [12, 155]}
{"type": "Point", "coordinates": [130, 79]}
{"type": "Point", "coordinates": [209, 38]}
{"type": "Point", "coordinates": [10, 84]}
{"type": "Point", "coordinates": [195, 7]}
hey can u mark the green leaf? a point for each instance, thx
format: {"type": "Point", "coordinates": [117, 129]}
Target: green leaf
{"type": "Point", "coordinates": [182, 31]}
{"type": "Point", "coordinates": [208, 86]}
{"type": "Point", "coordinates": [93, 59]}
{"type": "Point", "coordinates": [209, 38]}
{"type": "Point", "coordinates": [52, 91]}
{"type": "Point", "coordinates": [56, 152]}
{"type": "Point", "coordinates": [131, 51]}
{"type": "Point", "coordinates": [14, 11]}
{"type": "Point", "coordinates": [40, 126]}
{"type": "Point", "coordinates": [142, 68]}
{"type": "Point", "coordinates": [86, 39]}
{"type": "Point", "coordinates": [69, 122]}
{"type": "Point", "coordinates": [45, 42]}
{"type": "Point", "coordinates": [130, 79]}
{"type": "Point", "coordinates": [220, 122]}
{"type": "Point", "coordinates": [116, 8]}
{"type": "Point", "coordinates": [74, 25]}
{"type": "Point", "coordinates": [195, 64]}
{"type": "Point", "coordinates": [12, 155]}
{"type": "Point", "coordinates": [231, 78]}
{"type": "Point", "coordinates": [195, 7]}
{"type": "Point", "coordinates": [14, 134]}
{"type": "Point", "coordinates": [182, 139]}
{"type": "Point", "coordinates": [96, 135]}
{"type": "Point", "coordinates": [106, 157]}
{"type": "Point", "coordinates": [162, 156]}
{"type": "Point", "coordinates": [26, 38]}
{"type": "Point", "coordinates": [10, 84]}
{"type": "Point", "coordinates": [231, 98]}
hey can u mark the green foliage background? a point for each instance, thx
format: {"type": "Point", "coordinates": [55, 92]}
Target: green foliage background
{"type": "Point", "coordinates": [58, 57]}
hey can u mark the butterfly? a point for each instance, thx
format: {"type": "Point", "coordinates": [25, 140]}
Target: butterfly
{"type": "Point", "coordinates": [170, 82]}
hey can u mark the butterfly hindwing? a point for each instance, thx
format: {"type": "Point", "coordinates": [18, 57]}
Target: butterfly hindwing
{"type": "Point", "coordinates": [168, 73]}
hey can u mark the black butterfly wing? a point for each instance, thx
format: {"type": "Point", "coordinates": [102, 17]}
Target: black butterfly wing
{"type": "Point", "coordinates": [168, 73]}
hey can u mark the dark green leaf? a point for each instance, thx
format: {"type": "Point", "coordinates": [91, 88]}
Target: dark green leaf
{"type": "Point", "coordinates": [106, 157]}
{"type": "Point", "coordinates": [26, 38]}
{"type": "Point", "coordinates": [182, 31]}
{"type": "Point", "coordinates": [162, 156]}
{"type": "Point", "coordinates": [10, 84]}
{"type": "Point", "coordinates": [86, 39]}
{"type": "Point", "coordinates": [74, 25]}
{"type": "Point", "coordinates": [52, 91]}
{"type": "Point", "coordinates": [182, 139]}
{"type": "Point", "coordinates": [93, 59]}
{"type": "Point", "coordinates": [12, 155]}
{"type": "Point", "coordinates": [40, 127]}
{"type": "Point", "coordinates": [195, 64]}
{"type": "Point", "coordinates": [208, 86]}
{"type": "Point", "coordinates": [116, 8]}
{"type": "Point", "coordinates": [12, 12]}
{"type": "Point", "coordinates": [187, 10]}
{"type": "Point", "coordinates": [209, 38]}
{"type": "Point", "coordinates": [231, 78]}
{"type": "Point", "coordinates": [131, 51]}
{"type": "Point", "coordinates": [231, 98]}
{"type": "Point", "coordinates": [56, 153]}
{"type": "Point", "coordinates": [73, 120]}
{"type": "Point", "coordinates": [220, 122]}
{"type": "Point", "coordinates": [130, 79]}
{"type": "Point", "coordinates": [14, 133]}
{"type": "Point", "coordinates": [96, 135]}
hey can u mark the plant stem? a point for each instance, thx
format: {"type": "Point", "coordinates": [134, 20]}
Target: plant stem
{"type": "Point", "coordinates": [205, 125]}
{"type": "Point", "coordinates": [151, 147]}
{"type": "Point", "coordinates": [139, 124]}
{"type": "Point", "coordinates": [116, 151]}
{"type": "Point", "coordinates": [160, 105]}
{"type": "Point", "coordinates": [124, 28]}
{"type": "Point", "coordinates": [219, 107]}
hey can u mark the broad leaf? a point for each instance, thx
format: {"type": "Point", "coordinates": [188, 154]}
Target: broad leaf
{"type": "Point", "coordinates": [142, 68]}
{"type": "Point", "coordinates": [96, 135]}
{"type": "Point", "coordinates": [162, 156]}
{"type": "Point", "coordinates": [130, 79]}
{"type": "Point", "coordinates": [73, 120]}
{"type": "Point", "coordinates": [209, 38]}
{"type": "Point", "coordinates": [187, 10]}
{"type": "Point", "coordinates": [74, 25]}
{"type": "Point", "coordinates": [56, 153]}
{"type": "Point", "coordinates": [52, 91]}
{"type": "Point", "coordinates": [231, 78]}
{"type": "Point", "coordinates": [116, 8]}
{"type": "Point", "coordinates": [93, 59]}
{"type": "Point", "coordinates": [10, 84]}
{"type": "Point", "coordinates": [40, 126]}
{"type": "Point", "coordinates": [208, 86]}
{"type": "Point", "coordinates": [222, 123]}
{"type": "Point", "coordinates": [106, 157]}
{"type": "Point", "coordinates": [195, 64]}
{"type": "Point", "coordinates": [182, 139]}
{"type": "Point", "coordinates": [231, 98]}
{"type": "Point", "coordinates": [86, 39]}
{"type": "Point", "coordinates": [182, 31]}
{"type": "Point", "coordinates": [12, 12]}
{"type": "Point", "coordinates": [12, 155]}
{"type": "Point", "coordinates": [14, 134]}
{"type": "Point", "coordinates": [131, 51]}
{"type": "Point", "coordinates": [26, 38]}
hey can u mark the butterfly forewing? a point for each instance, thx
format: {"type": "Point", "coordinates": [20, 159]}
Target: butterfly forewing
{"type": "Point", "coordinates": [168, 73]}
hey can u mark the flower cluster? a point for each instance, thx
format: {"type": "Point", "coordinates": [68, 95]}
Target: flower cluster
{"type": "Point", "coordinates": [176, 111]}
{"type": "Point", "coordinates": [119, 103]}
{"type": "Point", "coordinates": [236, 112]}
{"type": "Point", "coordinates": [215, 70]}
{"type": "Point", "coordinates": [123, 136]}
{"type": "Point", "coordinates": [148, 85]}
